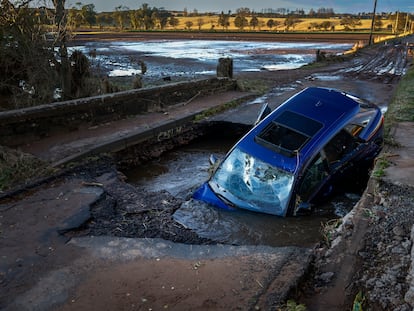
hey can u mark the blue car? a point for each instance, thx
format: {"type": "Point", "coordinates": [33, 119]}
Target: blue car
{"type": "Point", "coordinates": [297, 155]}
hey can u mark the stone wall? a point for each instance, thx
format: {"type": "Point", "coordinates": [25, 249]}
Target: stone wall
{"type": "Point", "coordinates": [21, 126]}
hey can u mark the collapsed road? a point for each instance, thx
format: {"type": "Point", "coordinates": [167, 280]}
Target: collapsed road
{"type": "Point", "coordinates": [48, 261]}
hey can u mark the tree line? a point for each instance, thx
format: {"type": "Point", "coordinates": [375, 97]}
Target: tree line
{"type": "Point", "coordinates": [153, 18]}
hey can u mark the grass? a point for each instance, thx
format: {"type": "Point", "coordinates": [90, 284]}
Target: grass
{"type": "Point", "coordinates": [17, 167]}
{"type": "Point", "coordinates": [292, 305]}
{"type": "Point", "coordinates": [328, 229]}
{"type": "Point", "coordinates": [216, 110]}
{"type": "Point", "coordinates": [380, 165]}
{"type": "Point", "coordinates": [257, 86]}
{"type": "Point", "coordinates": [401, 109]}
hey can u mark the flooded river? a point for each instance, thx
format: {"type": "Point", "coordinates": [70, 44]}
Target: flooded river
{"type": "Point", "coordinates": [178, 59]}
{"type": "Point", "coordinates": [182, 170]}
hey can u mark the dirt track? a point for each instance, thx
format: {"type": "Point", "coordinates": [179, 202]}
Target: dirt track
{"type": "Point", "coordinates": [32, 248]}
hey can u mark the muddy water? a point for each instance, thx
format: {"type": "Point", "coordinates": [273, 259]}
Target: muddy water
{"type": "Point", "coordinates": [181, 171]}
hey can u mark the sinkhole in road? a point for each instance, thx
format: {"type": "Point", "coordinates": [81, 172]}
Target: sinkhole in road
{"type": "Point", "coordinates": [182, 170]}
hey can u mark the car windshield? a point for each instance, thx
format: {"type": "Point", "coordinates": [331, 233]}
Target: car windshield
{"type": "Point", "coordinates": [250, 183]}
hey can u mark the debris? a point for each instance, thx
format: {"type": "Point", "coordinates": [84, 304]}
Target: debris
{"type": "Point", "coordinates": [88, 184]}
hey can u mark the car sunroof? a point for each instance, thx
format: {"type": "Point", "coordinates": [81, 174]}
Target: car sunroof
{"type": "Point", "coordinates": [288, 132]}
{"type": "Point", "coordinates": [299, 123]}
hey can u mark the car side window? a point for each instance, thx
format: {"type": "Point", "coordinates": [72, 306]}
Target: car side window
{"type": "Point", "coordinates": [339, 146]}
{"type": "Point", "coordinates": [316, 172]}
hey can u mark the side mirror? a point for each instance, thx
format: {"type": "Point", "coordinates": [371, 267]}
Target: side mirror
{"type": "Point", "coordinates": [263, 113]}
{"type": "Point", "coordinates": [212, 160]}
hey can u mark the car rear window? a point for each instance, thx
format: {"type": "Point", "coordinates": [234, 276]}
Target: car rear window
{"type": "Point", "coordinates": [288, 132]}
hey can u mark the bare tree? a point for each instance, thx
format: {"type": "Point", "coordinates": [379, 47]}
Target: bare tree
{"type": "Point", "coordinates": [188, 24]}
{"type": "Point", "coordinates": [200, 23]}
{"type": "Point", "coordinates": [65, 70]}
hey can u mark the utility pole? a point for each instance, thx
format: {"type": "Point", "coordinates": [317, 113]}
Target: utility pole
{"type": "Point", "coordinates": [372, 22]}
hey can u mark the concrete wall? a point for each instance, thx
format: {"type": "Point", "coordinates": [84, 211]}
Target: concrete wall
{"type": "Point", "coordinates": [21, 126]}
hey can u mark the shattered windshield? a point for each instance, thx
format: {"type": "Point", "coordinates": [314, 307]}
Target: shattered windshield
{"type": "Point", "coordinates": [247, 182]}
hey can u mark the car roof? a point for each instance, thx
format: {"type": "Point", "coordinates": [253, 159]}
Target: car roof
{"type": "Point", "coordinates": [314, 115]}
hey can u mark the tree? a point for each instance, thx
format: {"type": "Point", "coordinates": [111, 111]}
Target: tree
{"type": "Point", "coordinates": [26, 76]}
{"type": "Point", "coordinates": [200, 23]}
{"type": "Point", "coordinates": [270, 23]}
{"type": "Point", "coordinates": [188, 25]}
{"type": "Point", "coordinates": [147, 16]}
{"type": "Point", "coordinates": [378, 24]}
{"type": "Point", "coordinates": [224, 20]}
{"type": "Point", "coordinates": [135, 23]}
{"type": "Point", "coordinates": [326, 25]}
{"type": "Point", "coordinates": [349, 22]}
{"type": "Point", "coordinates": [74, 17]}
{"type": "Point", "coordinates": [291, 21]}
{"type": "Point", "coordinates": [163, 17]}
{"type": "Point", "coordinates": [173, 21]}
{"type": "Point", "coordinates": [121, 15]}
{"type": "Point", "coordinates": [89, 14]}
{"type": "Point", "coordinates": [325, 12]}
{"type": "Point", "coordinates": [33, 63]}
{"type": "Point", "coordinates": [104, 19]}
{"type": "Point", "coordinates": [240, 22]}
{"type": "Point", "coordinates": [80, 71]}
{"type": "Point", "coordinates": [254, 22]}
{"type": "Point", "coordinates": [311, 13]}
{"type": "Point", "coordinates": [282, 11]}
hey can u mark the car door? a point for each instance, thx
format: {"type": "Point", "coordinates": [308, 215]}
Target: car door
{"type": "Point", "coordinates": [312, 182]}
{"type": "Point", "coordinates": [320, 177]}
{"type": "Point", "coordinates": [340, 150]}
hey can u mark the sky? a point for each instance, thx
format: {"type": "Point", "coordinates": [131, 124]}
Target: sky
{"type": "Point", "coordinates": [339, 6]}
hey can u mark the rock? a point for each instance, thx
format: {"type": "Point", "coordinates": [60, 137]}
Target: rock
{"type": "Point", "coordinates": [398, 231]}
{"type": "Point", "coordinates": [326, 277]}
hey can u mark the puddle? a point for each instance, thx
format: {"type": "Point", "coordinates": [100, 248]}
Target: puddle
{"type": "Point", "coordinates": [326, 77]}
{"type": "Point", "coordinates": [181, 171]}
